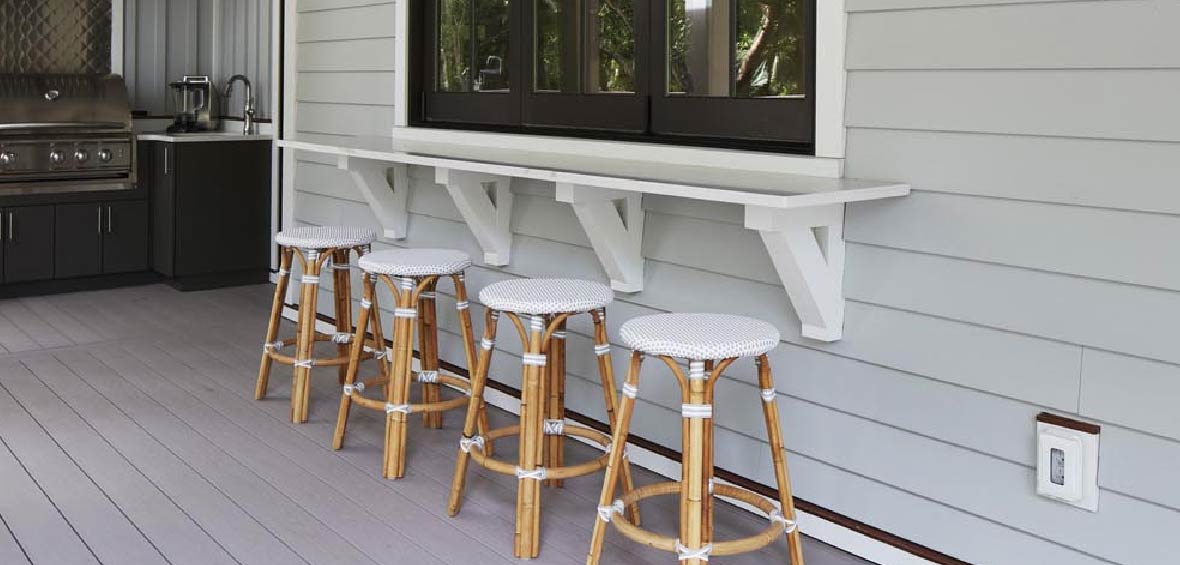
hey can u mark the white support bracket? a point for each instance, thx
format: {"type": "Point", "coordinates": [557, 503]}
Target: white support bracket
{"type": "Point", "coordinates": [387, 199]}
{"type": "Point", "coordinates": [806, 246]}
{"type": "Point", "coordinates": [485, 202]}
{"type": "Point", "coordinates": [613, 220]}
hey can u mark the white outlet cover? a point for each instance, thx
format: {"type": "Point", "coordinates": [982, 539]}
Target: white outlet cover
{"type": "Point", "coordinates": [1080, 485]}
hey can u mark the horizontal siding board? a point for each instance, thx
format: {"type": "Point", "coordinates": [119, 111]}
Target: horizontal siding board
{"type": "Point", "coordinates": [359, 22]}
{"type": "Point", "coordinates": [371, 88]}
{"type": "Point", "coordinates": [1117, 317]}
{"type": "Point", "coordinates": [318, 5]}
{"type": "Point", "coordinates": [1133, 392]}
{"type": "Point", "coordinates": [1032, 37]}
{"type": "Point", "coordinates": [1111, 104]}
{"type": "Point", "coordinates": [342, 56]}
{"type": "Point", "coordinates": [1097, 243]}
{"type": "Point", "coordinates": [1117, 174]}
{"type": "Point", "coordinates": [1141, 465]}
{"type": "Point", "coordinates": [881, 5]}
{"type": "Point", "coordinates": [346, 119]}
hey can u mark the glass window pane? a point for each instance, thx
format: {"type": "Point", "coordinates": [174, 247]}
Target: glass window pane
{"type": "Point", "coordinates": [473, 40]}
{"type": "Point", "coordinates": [612, 40]}
{"type": "Point", "coordinates": [585, 46]}
{"type": "Point", "coordinates": [736, 48]}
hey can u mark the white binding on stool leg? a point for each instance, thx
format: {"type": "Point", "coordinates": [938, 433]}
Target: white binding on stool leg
{"type": "Point", "coordinates": [704, 411]}
{"type": "Point", "coordinates": [696, 370]}
{"type": "Point", "coordinates": [537, 474]}
{"type": "Point", "coordinates": [341, 338]}
{"type": "Point", "coordinates": [397, 408]}
{"type": "Point", "coordinates": [533, 360]}
{"type": "Point", "coordinates": [684, 553]}
{"type": "Point", "coordinates": [630, 390]}
{"type": "Point", "coordinates": [428, 376]}
{"type": "Point", "coordinates": [605, 512]}
{"type": "Point", "coordinates": [776, 515]}
{"type": "Point", "coordinates": [350, 388]}
{"type": "Point", "coordinates": [768, 394]}
{"type": "Point", "coordinates": [554, 427]}
{"type": "Point", "coordinates": [466, 443]}
{"type": "Point", "coordinates": [602, 349]}
{"type": "Point", "coordinates": [405, 313]}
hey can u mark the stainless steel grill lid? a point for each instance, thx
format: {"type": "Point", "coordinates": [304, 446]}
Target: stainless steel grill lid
{"type": "Point", "coordinates": [63, 102]}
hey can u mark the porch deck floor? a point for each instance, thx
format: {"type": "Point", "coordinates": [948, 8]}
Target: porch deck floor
{"type": "Point", "coordinates": [129, 435]}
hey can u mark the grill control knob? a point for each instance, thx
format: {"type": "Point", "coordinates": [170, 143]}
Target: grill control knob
{"type": "Point", "coordinates": [81, 155]}
{"type": "Point", "coordinates": [57, 157]}
{"type": "Point", "coordinates": [104, 155]}
{"type": "Point", "coordinates": [7, 158]}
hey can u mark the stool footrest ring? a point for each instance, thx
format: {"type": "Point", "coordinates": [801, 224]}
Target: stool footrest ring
{"type": "Point", "coordinates": [563, 472]}
{"type": "Point", "coordinates": [755, 542]}
{"type": "Point", "coordinates": [441, 406]}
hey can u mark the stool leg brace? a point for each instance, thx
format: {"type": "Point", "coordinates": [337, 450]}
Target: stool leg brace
{"type": "Point", "coordinates": [370, 320]}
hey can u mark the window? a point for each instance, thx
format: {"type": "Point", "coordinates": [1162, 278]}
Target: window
{"type": "Point", "coordinates": [715, 72]}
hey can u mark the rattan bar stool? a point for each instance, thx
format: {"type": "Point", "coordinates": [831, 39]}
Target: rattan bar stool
{"type": "Point", "coordinates": [316, 245]}
{"type": "Point", "coordinates": [710, 343]}
{"type": "Point", "coordinates": [538, 308]}
{"type": "Point", "coordinates": [412, 276]}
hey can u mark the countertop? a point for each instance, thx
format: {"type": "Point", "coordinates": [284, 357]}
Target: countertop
{"type": "Point", "coordinates": [200, 137]}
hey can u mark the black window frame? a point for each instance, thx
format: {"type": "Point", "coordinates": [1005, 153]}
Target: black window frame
{"type": "Point", "coordinates": [764, 124]}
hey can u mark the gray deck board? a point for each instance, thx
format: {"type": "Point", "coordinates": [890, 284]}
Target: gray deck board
{"type": "Point", "coordinates": [130, 435]}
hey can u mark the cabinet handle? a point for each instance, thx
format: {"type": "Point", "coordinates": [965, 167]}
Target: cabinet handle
{"type": "Point", "coordinates": [109, 219]}
{"type": "Point", "coordinates": [11, 223]}
{"type": "Point", "coordinates": [99, 209]}
{"type": "Point", "coordinates": [165, 159]}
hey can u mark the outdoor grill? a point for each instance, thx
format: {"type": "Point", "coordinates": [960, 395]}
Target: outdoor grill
{"type": "Point", "coordinates": [65, 133]}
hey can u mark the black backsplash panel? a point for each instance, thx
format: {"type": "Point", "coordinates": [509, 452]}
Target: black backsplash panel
{"type": "Point", "coordinates": [55, 36]}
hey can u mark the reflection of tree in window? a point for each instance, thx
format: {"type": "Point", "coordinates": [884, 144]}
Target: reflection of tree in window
{"type": "Point", "coordinates": [585, 46]}
{"type": "Point", "coordinates": [766, 43]}
{"type": "Point", "coordinates": [473, 40]}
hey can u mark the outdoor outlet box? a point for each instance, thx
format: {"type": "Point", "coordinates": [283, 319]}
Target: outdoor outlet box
{"type": "Point", "coordinates": [1067, 461]}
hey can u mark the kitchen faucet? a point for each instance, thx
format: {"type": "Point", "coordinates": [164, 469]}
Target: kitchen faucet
{"type": "Point", "coordinates": [248, 111]}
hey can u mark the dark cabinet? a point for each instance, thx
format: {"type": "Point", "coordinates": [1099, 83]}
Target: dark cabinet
{"type": "Point", "coordinates": [78, 240]}
{"type": "Point", "coordinates": [211, 212]}
{"type": "Point", "coordinates": [94, 238]}
{"type": "Point", "coordinates": [125, 237]}
{"type": "Point", "coordinates": [28, 233]}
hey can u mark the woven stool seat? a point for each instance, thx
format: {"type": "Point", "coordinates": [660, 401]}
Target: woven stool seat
{"type": "Point", "coordinates": [699, 336]}
{"type": "Point", "coordinates": [325, 237]}
{"type": "Point", "coordinates": [415, 262]}
{"type": "Point", "coordinates": [546, 296]}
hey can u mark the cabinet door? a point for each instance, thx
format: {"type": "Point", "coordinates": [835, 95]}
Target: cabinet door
{"type": "Point", "coordinates": [222, 204]}
{"type": "Point", "coordinates": [125, 237]}
{"type": "Point", "coordinates": [78, 240]}
{"type": "Point", "coordinates": [163, 202]}
{"type": "Point", "coordinates": [28, 243]}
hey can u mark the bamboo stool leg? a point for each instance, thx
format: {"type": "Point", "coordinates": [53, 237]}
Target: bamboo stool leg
{"type": "Point", "coordinates": [428, 353]}
{"type": "Point", "coordinates": [532, 410]}
{"type": "Point", "coordinates": [354, 358]}
{"type": "Point", "coordinates": [474, 410]}
{"type": "Point", "coordinates": [693, 488]}
{"type": "Point", "coordinates": [778, 455]}
{"type": "Point", "coordinates": [342, 295]}
{"type": "Point", "coordinates": [606, 372]}
{"type": "Point", "coordinates": [398, 398]}
{"type": "Point", "coordinates": [707, 523]}
{"type": "Point", "coordinates": [272, 326]}
{"type": "Point", "coordinates": [620, 427]}
{"type": "Point", "coordinates": [555, 403]}
{"type": "Point", "coordinates": [469, 350]}
{"type": "Point", "coordinates": [300, 386]}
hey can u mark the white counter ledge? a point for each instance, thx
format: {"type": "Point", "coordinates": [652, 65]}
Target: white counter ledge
{"type": "Point", "coordinates": [795, 202]}
{"type": "Point", "coordinates": [203, 137]}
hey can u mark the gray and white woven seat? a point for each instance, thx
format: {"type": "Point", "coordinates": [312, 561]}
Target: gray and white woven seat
{"type": "Point", "coordinates": [325, 237]}
{"type": "Point", "coordinates": [546, 296]}
{"type": "Point", "coordinates": [699, 336]}
{"type": "Point", "coordinates": [415, 262]}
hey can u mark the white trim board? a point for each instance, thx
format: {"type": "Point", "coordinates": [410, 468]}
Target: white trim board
{"type": "Point", "coordinates": [813, 526]}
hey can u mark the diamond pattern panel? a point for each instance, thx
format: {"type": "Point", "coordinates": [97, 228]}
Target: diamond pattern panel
{"type": "Point", "coordinates": [55, 36]}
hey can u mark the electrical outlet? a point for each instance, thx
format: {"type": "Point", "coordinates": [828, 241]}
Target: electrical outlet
{"type": "Point", "coordinates": [1067, 461]}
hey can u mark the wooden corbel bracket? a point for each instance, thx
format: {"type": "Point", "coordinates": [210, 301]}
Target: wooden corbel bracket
{"type": "Point", "coordinates": [485, 202]}
{"type": "Point", "coordinates": [613, 220]}
{"type": "Point", "coordinates": [806, 246]}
